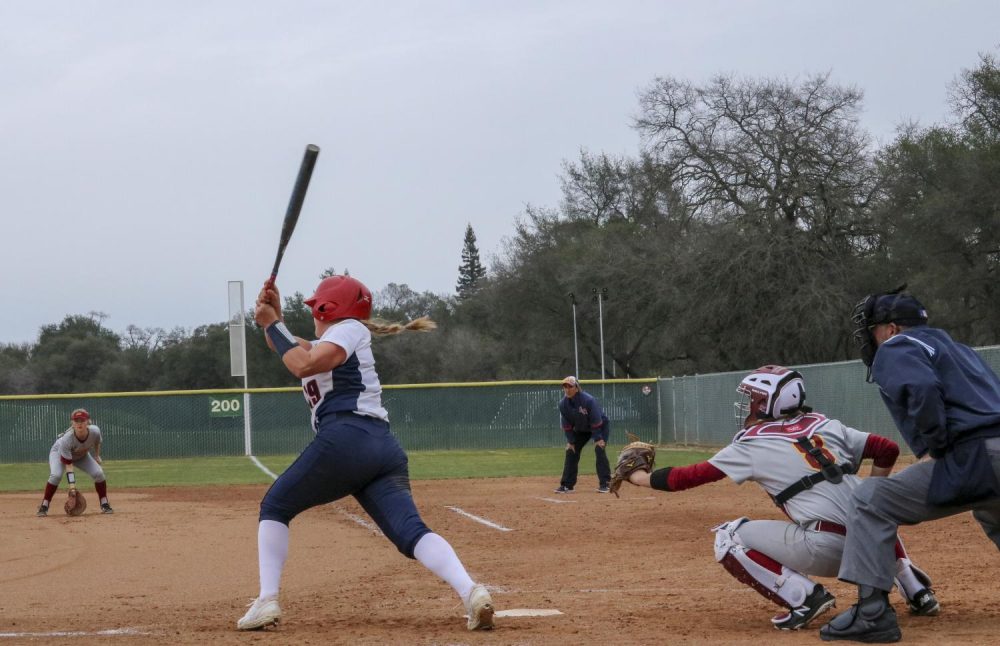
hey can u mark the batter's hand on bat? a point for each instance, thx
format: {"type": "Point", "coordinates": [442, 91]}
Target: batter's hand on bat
{"type": "Point", "coordinates": [268, 306]}
{"type": "Point", "coordinates": [570, 447]}
{"type": "Point", "coordinates": [265, 314]}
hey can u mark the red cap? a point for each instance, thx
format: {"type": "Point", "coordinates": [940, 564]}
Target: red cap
{"type": "Point", "coordinates": [80, 415]}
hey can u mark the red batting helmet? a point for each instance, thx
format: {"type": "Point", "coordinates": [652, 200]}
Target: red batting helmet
{"type": "Point", "coordinates": [340, 297]}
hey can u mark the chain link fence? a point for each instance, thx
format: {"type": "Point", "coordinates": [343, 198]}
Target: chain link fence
{"type": "Point", "coordinates": [690, 410]}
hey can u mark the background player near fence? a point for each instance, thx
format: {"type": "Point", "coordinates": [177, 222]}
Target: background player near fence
{"type": "Point", "coordinates": [353, 452]}
{"type": "Point", "coordinates": [583, 420]}
{"type": "Point", "coordinates": [71, 451]}
{"type": "Point", "coordinates": [806, 463]}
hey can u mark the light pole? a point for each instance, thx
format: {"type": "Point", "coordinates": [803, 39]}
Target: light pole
{"type": "Point", "coordinates": [576, 353]}
{"type": "Point", "coordinates": [600, 298]}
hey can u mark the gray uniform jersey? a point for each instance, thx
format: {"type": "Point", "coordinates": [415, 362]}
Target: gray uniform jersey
{"type": "Point", "coordinates": [768, 454]}
{"type": "Point", "coordinates": [71, 448]}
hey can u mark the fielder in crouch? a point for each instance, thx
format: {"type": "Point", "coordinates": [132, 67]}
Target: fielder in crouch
{"type": "Point", "coordinates": [807, 463]}
{"type": "Point", "coordinates": [353, 453]}
{"type": "Point", "coordinates": [72, 450]}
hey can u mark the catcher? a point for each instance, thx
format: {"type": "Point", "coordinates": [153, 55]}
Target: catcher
{"type": "Point", "coordinates": [806, 462]}
{"type": "Point", "coordinates": [73, 449]}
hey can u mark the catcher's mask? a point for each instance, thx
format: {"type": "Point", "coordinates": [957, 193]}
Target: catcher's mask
{"type": "Point", "coordinates": [769, 392]}
{"type": "Point", "coordinates": [340, 297]}
{"type": "Point", "coordinates": [889, 307]}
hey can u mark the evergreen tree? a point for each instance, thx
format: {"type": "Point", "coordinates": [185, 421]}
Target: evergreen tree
{"type": "Point", "coordinates": [471, 271]}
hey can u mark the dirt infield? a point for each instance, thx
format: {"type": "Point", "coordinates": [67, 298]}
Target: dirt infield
{"type": "Point", "coordinates": [179, 565]}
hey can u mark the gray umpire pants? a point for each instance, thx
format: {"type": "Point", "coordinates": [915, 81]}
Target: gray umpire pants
{"type": "Point", "coordinates": [882, 504]}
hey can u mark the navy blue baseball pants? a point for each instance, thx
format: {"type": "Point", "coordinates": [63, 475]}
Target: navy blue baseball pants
{"type": "Point", "coordinates": [572, 463]}
{"type": "Point", "coordinates": [351, 455]}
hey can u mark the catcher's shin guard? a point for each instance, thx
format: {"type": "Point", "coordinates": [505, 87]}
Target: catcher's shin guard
{"type": "Point", "coordinates": [771, 579]}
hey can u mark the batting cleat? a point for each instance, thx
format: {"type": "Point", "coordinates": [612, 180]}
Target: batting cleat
{"type": "Point", "coordinates": [479, 608]}
{"type": "Point", "coordinates": [924, 603]}
{"type": "Point", "coordinates": [818, 602]}
{"type": "Point", "coordinates": [42, 512]}
{"type": "Point", "coordinates": [106, 508]}
{"type": "Point", "coordinates": [262, 613]}
{"type": "Point", "coordinates": [603, 489]}
{"type": "Point", "coordinates": [564, 489]}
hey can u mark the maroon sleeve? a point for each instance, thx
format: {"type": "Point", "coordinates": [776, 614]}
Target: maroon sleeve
{"type": "Point", "coordinates": [881, 450]}
{"type": "Point", "coordinates": [693, 475]}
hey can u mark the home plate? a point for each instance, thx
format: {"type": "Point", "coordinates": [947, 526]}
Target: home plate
{"type": "Point", "coordinates": [527, 612]}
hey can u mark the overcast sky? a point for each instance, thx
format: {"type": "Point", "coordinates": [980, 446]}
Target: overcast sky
{"type": "Point", "coordinates": [149, 148]}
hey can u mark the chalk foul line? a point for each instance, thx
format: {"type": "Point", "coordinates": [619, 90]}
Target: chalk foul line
{"type": "Point", "coordinates": [253, 458]}
{"type": "Point", "coordinates": [79, 633]}
{"type": "Point", "coordinates": [480, 520]}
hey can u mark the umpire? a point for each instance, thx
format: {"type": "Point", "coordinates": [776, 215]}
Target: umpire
{"type": "Point", "coordinates": [945, 401]}
{"type": "Point", "coordinates": [583, 420]}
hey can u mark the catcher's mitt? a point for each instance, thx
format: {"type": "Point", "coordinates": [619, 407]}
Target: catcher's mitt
{"type": "Point", "coordinates": [636, 456]}
{"type": "Point", "coordinates": [76, 504]}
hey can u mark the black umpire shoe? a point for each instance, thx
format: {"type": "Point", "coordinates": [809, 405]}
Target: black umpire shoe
{"type": "Point", "coordinates": [106, 508]}
{"type": "Point", "coordinates": [564, 489]}
{"type": "Point", "coordinates": [924, 603]}
{"type": "Point", "coordinates": [819, 601]}
{"type": "Point", "coordinates": [871, 620]}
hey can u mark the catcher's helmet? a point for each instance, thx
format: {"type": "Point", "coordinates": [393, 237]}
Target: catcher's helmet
{"type": "Point", "coordinates": [340, 297]}
{"type": "Point", "coordinates": [769, 392]}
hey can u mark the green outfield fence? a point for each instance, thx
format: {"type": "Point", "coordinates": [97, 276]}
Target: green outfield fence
{"type": "Point", "coordinates": [690, 410]}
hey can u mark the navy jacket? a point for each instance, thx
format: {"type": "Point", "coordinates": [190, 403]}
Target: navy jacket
{"type": "Point", "coordinates": [936, 389]}
{"type": "Point", "coordinates": [582, 414]}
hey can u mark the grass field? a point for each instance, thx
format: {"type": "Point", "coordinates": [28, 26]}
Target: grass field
{"type": "Point", "coordinates": [424, 465]}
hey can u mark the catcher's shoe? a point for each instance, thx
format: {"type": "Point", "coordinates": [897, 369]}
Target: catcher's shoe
{"type": "Point", "coordinates": [106, 508]}
{"type": "Point", "coordinates": [819, 601]}
{"type": "Point", "coordinates": [42, 511]}
{"type": "Point", "coordinates": [924, 603]}
{"type": "Point", "coordinates": [263, 612]}
{"type": "Point", "coordinates": [564, 489]}
{"type": "Point", "coordinates": [479, 608]}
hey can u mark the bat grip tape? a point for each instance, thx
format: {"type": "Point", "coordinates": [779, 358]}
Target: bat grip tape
{"type": "Point", "coordinates": [281, 338]}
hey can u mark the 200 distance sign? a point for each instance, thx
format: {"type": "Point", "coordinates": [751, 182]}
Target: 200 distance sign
{"type": "Point", "coordinates": [225, 406]}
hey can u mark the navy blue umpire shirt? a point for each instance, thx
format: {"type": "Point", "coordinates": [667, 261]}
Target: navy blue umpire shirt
{"type": "Point", "coordinates": [936, 389]}
{"type": "Point", "coordinates": [582, 414]}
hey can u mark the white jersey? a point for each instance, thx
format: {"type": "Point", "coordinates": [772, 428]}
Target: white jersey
{"type": "Point", "coordinates": [767, 453]}
{"type": "Point", "coordinates": [352, 386]}
{"type": "Point", "coordinates": [70, 448]}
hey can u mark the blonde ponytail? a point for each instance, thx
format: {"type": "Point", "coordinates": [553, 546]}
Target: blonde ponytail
{"type": "Point", "coordinates": [384, 328]}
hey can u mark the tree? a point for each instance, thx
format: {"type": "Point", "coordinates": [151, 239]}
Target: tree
{"type": "Point", "coordinates": [471, 272]}
{"type": "Point", "coordinates": [15, 369]}
{"type": "Point", "coordinates": [941, 211]}
{"type": "Point", "coordinates": [781, 179]}
{"type": "Point", "coordinates": [69, 355]}
{"type": "Point", "coordinates": [770, 152]}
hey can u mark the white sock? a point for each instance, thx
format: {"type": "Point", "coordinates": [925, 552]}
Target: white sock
{"type": "Point", "coordinates": [906, 578]}
{"type": "Point", "coordinates": [437, 555]}
{"type": "Point", "coordinates": [272, 550]}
